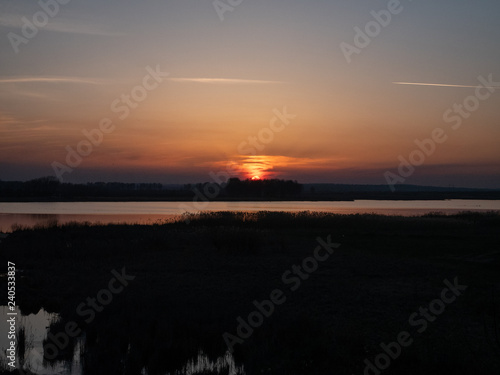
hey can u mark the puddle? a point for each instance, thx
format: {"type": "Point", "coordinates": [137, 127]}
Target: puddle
{"type": "Point", "coordinates": [224, 365]}
{"type": "Point", "coordinates": [35, 329]}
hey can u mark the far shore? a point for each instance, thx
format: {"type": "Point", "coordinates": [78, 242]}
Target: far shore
{"type": "Point", "coordinates": [327, 197]}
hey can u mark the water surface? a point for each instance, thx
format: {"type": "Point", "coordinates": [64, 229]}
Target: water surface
{"type": "Point", "coordinates": [31, 214]}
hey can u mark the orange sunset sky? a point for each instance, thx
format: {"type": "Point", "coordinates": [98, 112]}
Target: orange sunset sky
{"type": "Point", "coordinates": [230, 74]}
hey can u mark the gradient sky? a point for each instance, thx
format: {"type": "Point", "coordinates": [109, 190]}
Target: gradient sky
{"type": "Point", "coordinates": [228, 78]}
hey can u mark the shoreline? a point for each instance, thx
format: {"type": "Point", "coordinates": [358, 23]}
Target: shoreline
{"type": "Point", "coordinates": [342, 197]}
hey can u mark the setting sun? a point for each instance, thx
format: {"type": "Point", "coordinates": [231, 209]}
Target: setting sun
{"type": "Point", "coordinates": [255, 178]}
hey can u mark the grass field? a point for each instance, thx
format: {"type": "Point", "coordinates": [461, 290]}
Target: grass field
{"type": "Point", "coordinates": [192, 282]}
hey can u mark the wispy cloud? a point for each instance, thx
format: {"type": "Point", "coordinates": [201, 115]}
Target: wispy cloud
{"type": "Point", "coordinates": [51, 79]}
{"type": "Point", "coordinates": [225, 81]}
{"type": "Point", "coordinates": [438, 84]}
{"type": "Point", "coordinates": [7, 119]}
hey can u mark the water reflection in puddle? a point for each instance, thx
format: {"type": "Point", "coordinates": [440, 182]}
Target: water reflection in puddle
{"type": "Point", "coordinates": [34, 327]}
{"type": "Point", "coordinates": [224, 365]}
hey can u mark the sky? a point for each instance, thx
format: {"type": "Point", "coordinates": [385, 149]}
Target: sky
{"type": "Point", "coordinates": [198, 90]}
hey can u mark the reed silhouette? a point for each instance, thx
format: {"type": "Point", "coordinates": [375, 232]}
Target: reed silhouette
{"type": "Point", "coordinates": [193, 281]}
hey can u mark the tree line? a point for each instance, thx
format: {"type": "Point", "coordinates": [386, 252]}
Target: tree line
{"type": "Point", "coordinates": [51, 188]}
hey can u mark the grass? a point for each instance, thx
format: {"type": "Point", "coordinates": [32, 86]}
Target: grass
{"type": "Point", "coordinates": [193, 281]}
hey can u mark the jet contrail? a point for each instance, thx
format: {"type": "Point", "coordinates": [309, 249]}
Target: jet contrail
{"type": "Point", "coordinates": [223, 81]}
{"type": "Point", "coordinates": [440, 85]}
{"type": "Point", "coordinates": [88, 81]}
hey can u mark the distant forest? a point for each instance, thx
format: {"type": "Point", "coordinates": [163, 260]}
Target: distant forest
{"type": "Point", "coordinates": [52, 190]}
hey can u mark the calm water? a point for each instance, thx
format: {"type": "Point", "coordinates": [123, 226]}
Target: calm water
{"type": "Point", "coordinates": [36, 331]}
{"type": "Point", "coordinates": [35, 326]}
{"type": "Point", "coordinates": [37, 213]}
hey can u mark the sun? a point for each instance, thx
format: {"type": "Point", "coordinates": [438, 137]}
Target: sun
{"type": "Point", "coordinates": [255, 178]}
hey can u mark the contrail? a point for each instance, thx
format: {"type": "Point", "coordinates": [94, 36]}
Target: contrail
{"type": "Point", "coordinates": [87, 81]}
{"type": "Point", "coordinates": [440, 85]}
{"type": "Point", "coordinates": [223, 81]}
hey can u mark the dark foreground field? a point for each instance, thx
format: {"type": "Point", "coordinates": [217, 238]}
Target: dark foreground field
{"type": "Point", "coordinates": [192, 282]}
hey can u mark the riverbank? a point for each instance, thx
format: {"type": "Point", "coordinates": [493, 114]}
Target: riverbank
{"type": "Point", "coordinates": [191, 282]}
{"type": "Point", "coordinates": [317, 197]}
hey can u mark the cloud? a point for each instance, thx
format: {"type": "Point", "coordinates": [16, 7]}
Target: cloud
{"type": "Point", "coordinates": [271, 166]}
{"type": "Point", "coordinates": [36, 86]}
{"type": "Point", "coordinates": [53, 79]}
{"type": "Point", "coordinates": [225, 81]}
{"type": "Point", "coordinates": [7, 119]}
{"type": "Point", "coordinates": [438, 85]}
